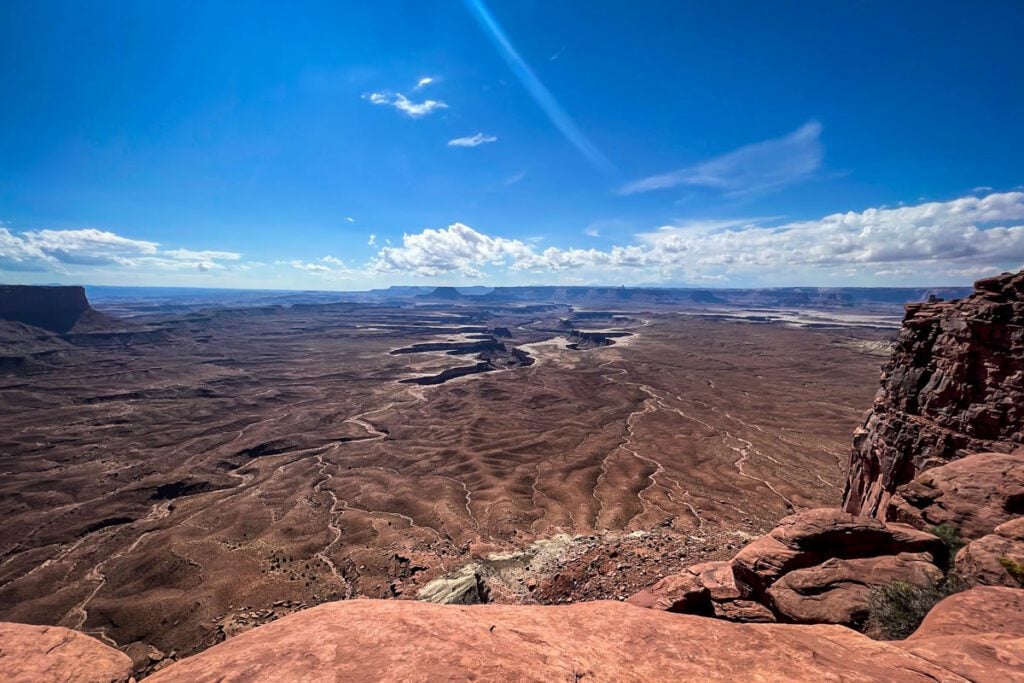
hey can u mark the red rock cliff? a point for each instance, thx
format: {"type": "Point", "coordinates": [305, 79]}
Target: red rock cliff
{"type": "Point", "coordinates": [954, 385]}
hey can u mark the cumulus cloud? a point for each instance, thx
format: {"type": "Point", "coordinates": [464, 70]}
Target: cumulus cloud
{"type": "Point", "coordinates": [751, 169]}
{"type": "Point", "coordinates": [58, 250]}
{"type": "Point", "coordinates": [328, 266]}
{"type": "Point", "coordinates": [472, 141]}
{"type": "Point", "coordinates": [404, 104]}
{"type": "Point", "coordinates": [977, 235]}
{"type": "Point", "coordinates": [455, 249]}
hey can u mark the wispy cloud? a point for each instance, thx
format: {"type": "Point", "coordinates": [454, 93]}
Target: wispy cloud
{"type": "Point", "coordinates": [473, 140]}
{"type": "Point", "coordinates": [350, 219]}
{"type": "Point", "coordinates": [540, 94]}
{"type": "Point", "coordinates": [373, 239]}
{"type": "Point", "coordinates": [515, 178]}
{"type": "Point", "coordinates": [404, 104]}
{"type": "Point", "coordinates": [751, 169]}
{"type": "Point", "coordinates": [424, 82]}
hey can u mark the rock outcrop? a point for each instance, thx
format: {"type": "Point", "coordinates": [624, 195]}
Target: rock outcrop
{"type": "Point", "coordinates": [954, 385]}
{"type": "Point", "coordinates": [370, 640]}
{"type": "Point", "coordinates": [51, 654]}
{"type": "Point", "coordinates": [996, 559]}
{"type": "Point", "coordinates": [817, 566]}
{"type": "Point", "coordinates": [976, 635]}
{"type": "Point", "coordinates": [57, 309]}
{"type": "Point", "coordinates": [974, 494]}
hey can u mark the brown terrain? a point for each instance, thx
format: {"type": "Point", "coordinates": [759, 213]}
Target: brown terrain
{"type": "Point", "coordinates": [172, 481]}
{"type": "Point", "coordinates": [353, 450]}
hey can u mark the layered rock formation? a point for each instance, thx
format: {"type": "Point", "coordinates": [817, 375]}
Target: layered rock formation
{"type": "Point", "coordinates": [973, 636]}
{"type": "Point", "coordinates": [954, 385]}
{"type": "Point", "coordinates": [817, 566]}
{"type": "Point", "coordinates": [52, 308]}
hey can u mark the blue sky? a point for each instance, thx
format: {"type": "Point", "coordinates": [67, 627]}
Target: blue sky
{"type": "Point", "coordinates": [343, 145]}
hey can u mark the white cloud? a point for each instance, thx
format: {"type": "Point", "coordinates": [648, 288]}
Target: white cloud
{"type": "Point", "coordinates": [950, 239]}
{"type": "Point", "coordinates": [60, 250]}
{"type": "Point", "coordinates": [189, 255]}
{"type": "Point", "coordinates": [373, 239]}
{"type": "Point", "coordinates": [404, 104]}
{"type": "Point", "coordinates": [591, 232]}
{"type": "Point", "coordinates": [424, 82]}
{"type": "Point", "coordinates": [457, 248]}
{"type": "Point", "coordinates": [473, 140]}
{"type": "Point", "coordinates": [350, 219]}
{"type": "Point", "coordinates": [751, 169]}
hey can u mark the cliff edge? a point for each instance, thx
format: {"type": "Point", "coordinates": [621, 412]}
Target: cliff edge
{"type": "Point", "coordinates": [57, 309]}
{"type": "Point", "coordinates": [954, 385]}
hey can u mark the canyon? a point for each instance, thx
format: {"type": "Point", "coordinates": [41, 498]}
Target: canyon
{"type": "Point", "coordinates": [176, 484]}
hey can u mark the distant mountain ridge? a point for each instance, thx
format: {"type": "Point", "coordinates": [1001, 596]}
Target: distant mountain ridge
{"type": "Point", "coordinates": [820, 297]}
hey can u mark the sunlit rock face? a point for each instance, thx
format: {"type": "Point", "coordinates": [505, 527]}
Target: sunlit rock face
{"type": "Point", "coordinates": [954, 385]}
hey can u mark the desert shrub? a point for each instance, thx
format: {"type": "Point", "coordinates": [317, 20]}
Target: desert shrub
{"type": "Point", "coordinates": [896, 610]}
{"type": "Point", "coordinates": [950, 535]}
{"type": "Point", "coordinates": [1014, 569]}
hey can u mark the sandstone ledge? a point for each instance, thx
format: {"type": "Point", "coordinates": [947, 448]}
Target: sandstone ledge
{"type": "Point", "coordinates": [371, 640]}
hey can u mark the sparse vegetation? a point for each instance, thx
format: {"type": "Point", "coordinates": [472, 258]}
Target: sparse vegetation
{"type": "Point", "coordinates": [1013, 568]}
{"type": "Point", "coordinates": [950, 535]}
{"type": "Point", "coordinates": [896, 610]}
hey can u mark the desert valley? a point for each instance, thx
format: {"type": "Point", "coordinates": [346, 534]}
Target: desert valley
{"type": "Point", "coordinates": [174, 479]}
{"type": "Point", "coordinates": [512, 341]}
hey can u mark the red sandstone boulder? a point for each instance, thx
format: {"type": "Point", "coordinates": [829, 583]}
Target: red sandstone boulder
{"type": "Point", "coordinates": [977, 634]}
{"type": "Point", "coordinates": [707, 589]}
{"type": "Point", "coordinates": [839, 591]}
{"type": "Point", "coordinates": [996, 559]}
{"type": "Point", "coordinates": [371, 640]}
{"type": "Point", "coordinates": [811, 537]}
{"type": "Point", "coordinates": [746, 611]}
{"type": "Point", "coordinates": [986, 609]}
{"type": "Point", "coordinates": [975, 494]}
{"type": "Point", "coordinates": [45, 654]}
{"type": "Point", "coordinates": [683, 593]}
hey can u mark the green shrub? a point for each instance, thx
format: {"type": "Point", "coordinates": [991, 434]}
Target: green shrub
{"type": "Point", "coordinates": [1014, 569]}
{"type": "Point", "coordinates": [950, 535]}
{"type": "Point", "coordinates": [896, 610]}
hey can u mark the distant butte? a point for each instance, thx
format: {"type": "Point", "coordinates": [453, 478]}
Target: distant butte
{"type": "Point", "coordinates": [57, 309]}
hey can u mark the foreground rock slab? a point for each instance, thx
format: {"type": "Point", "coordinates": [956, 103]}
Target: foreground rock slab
{"type": "Point", "coordinates": [369, 640]}
{"type": "Point", "coordinates": [48, 654]}
{"type": "Point", "coordinates": [978, 634]}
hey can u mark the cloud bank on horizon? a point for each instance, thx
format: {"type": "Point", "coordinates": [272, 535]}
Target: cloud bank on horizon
{"type": "Point", "coordinates": [928, 243]}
